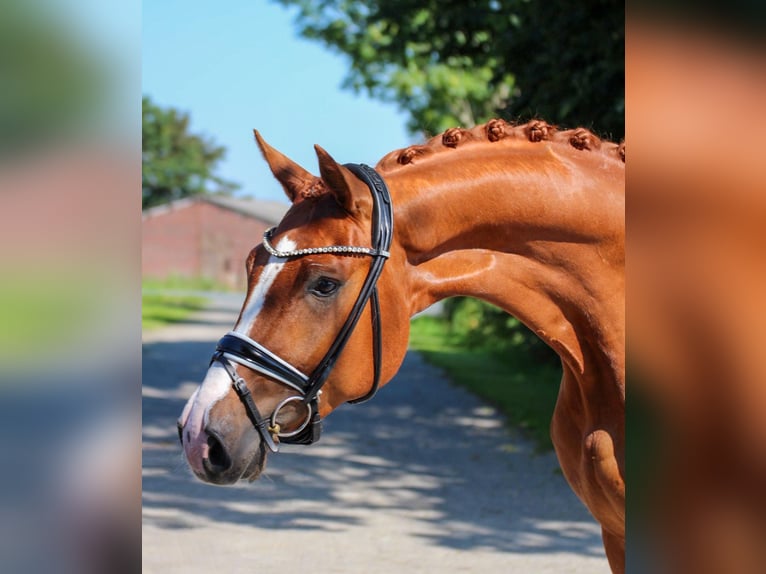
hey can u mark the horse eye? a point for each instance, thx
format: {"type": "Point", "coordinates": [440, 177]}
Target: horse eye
{"type": "Point", "coordinates": [324, 287]}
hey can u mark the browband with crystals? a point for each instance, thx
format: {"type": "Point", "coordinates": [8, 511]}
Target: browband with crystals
{"type": "Point", "coordinates": [334, 249]}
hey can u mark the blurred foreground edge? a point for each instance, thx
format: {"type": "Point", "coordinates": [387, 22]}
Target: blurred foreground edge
{"type": "Point", "coordinates": [70, 331]}
{"type": "Point", "coordinates": [696, 220]}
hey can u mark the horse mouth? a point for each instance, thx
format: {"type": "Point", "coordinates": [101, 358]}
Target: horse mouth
{"type": "Point", "coordinates": [256, 466]}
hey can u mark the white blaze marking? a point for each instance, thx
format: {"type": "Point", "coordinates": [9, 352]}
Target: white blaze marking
{"type": "Point", "coordinates": [217, 382]}
{"type": "Point", "coordinates": [187, 408]}
{"type": "Point", "coordinates": [257, 298]}
{"type": "Point", "coordinates": [215, 386]}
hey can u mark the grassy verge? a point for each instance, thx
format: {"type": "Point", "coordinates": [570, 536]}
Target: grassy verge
{"type": "Point", "coordinates": [163, 301]}
{"type": "Point", "coordinates": [158, 309]}
{"type": "Point", "coordinates": [522, 390]}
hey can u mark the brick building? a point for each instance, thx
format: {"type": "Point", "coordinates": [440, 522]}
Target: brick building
{"type": "Point", "coordinates": [205, 236]}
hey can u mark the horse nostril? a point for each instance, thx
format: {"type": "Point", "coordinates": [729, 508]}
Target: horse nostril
{"type": "Point", "coordinates": [180, 432]}
{"type": "Point", "coordinates": [218, 459]}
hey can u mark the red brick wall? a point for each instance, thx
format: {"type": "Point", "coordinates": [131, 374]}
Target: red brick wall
{"type": "Point", "coordinates": [199, 239]}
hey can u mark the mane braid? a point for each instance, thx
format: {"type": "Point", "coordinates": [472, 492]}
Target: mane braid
{"type": "Point", "coordinates": [495, 130]}
{"type": "Point", "coordinates": [314, 190]}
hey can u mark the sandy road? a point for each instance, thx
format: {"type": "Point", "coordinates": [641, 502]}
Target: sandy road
{"type": "Point", "coordinates": [423, 479]}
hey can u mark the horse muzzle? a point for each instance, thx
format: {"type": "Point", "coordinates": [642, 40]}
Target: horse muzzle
{"type": "Point", "coordinates": [219, 447]}
{"type": "Point", "coordinates": [218, 459]}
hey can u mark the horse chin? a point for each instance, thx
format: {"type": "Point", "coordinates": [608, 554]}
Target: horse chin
{"type": "Point", "coordinates": [256, 466]}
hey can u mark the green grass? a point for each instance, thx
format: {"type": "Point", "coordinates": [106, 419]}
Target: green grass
{"type": "Point", "coordinates": [163, 301]}
{"type": "Point", "coordinates": [158, 310]}
{"type": "Point", "coordinates": [522, 390]}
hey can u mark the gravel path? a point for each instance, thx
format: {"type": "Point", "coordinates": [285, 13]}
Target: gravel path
{"type": "Point", "coordinates": [423, 479]}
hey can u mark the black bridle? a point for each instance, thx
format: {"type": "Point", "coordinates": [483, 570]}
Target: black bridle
{"type": "Point", "coordinates": [237, 348]}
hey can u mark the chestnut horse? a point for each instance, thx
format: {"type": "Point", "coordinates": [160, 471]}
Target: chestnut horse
{"type": "Point", "coordinates": [526, 217]}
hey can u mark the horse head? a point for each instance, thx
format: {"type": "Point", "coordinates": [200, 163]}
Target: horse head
{"type": "Point", "coordinates": [308, 336]}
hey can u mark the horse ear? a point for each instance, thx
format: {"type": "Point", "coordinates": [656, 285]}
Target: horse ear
{"type": "Point", "coordinates": [349, 192]}
{"type": "Point", "coordinates": [293, 177]}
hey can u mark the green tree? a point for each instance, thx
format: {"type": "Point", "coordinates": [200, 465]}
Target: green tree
{"type": "Point", "coordinates": [479, 325]}
{"type": "Point", "coordinates": [462, 62]}
{"type": "Point", "coordinates": [174, 162]}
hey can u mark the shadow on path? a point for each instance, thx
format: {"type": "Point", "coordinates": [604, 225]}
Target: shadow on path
{"type": "Point", "coordinates": [422, 452]}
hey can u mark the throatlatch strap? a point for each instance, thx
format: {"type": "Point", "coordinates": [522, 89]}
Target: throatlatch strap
{"type": "Point", "coordinates": [376, 350]}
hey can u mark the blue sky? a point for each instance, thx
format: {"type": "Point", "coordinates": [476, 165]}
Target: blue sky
{"type": "Point", "coordinates": [236, 65]}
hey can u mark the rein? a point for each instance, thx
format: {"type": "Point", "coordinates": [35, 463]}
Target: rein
{"type": "Point", "coordinates": [237, 348]}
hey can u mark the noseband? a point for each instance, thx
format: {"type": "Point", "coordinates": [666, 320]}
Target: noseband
{"type": "Point", "coordinates": [237, 348]}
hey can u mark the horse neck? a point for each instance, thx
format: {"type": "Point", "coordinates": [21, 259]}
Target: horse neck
{"type": "Point", "coordinates": [537, 232]}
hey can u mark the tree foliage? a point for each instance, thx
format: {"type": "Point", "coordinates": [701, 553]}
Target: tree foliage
{"type": "Point", "coordinates": [174, 162]}
{"type": "Point", "coordinates": [462, 62]}
{"type": "Point", "coordinates": [479, 325]}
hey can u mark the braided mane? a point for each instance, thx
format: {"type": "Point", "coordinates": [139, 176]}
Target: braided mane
{"type": "Point", "coordinates": [497, 130]}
